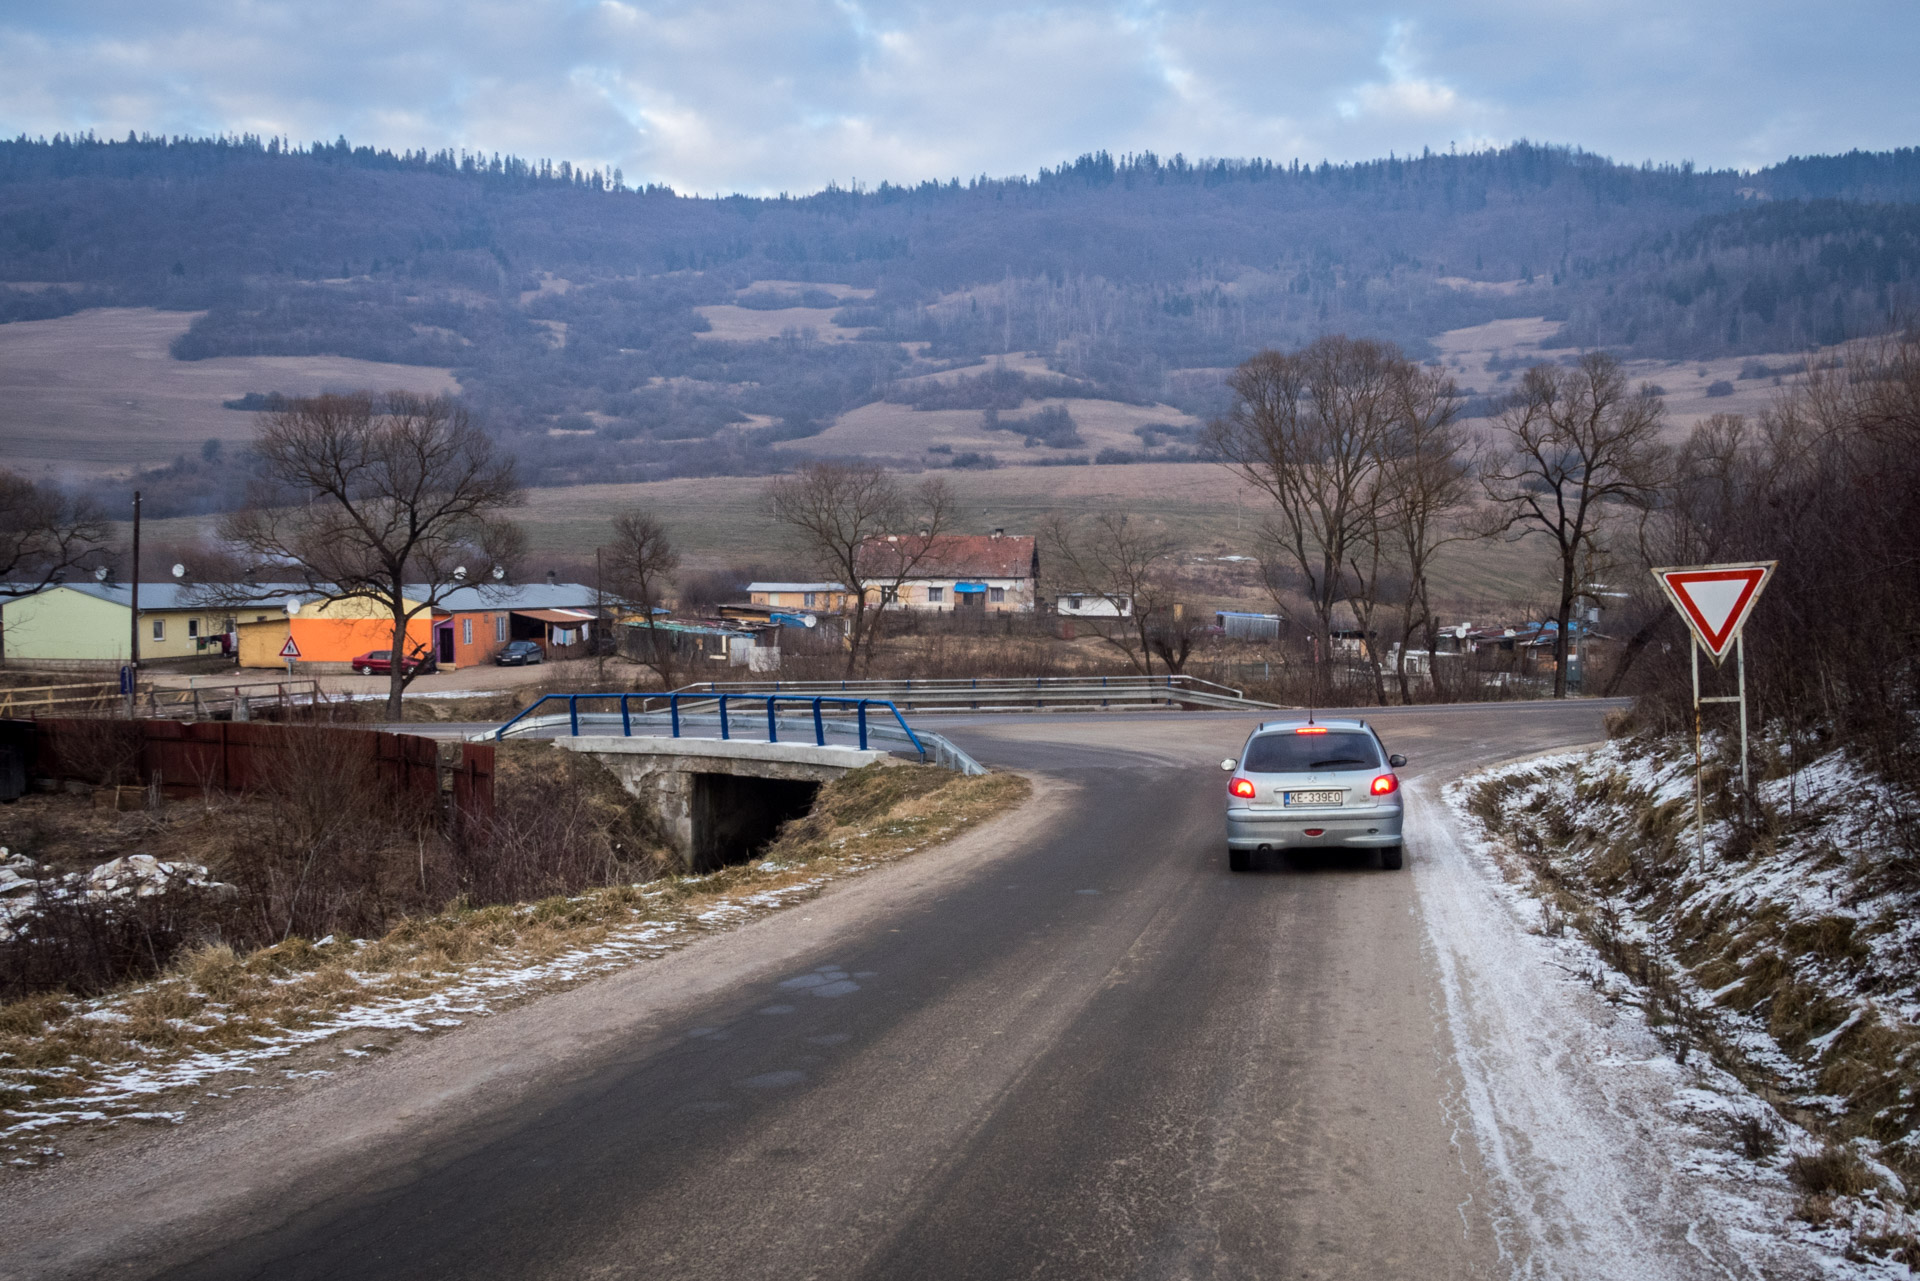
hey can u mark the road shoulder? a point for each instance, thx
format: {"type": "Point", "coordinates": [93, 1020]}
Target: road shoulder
{"type": "Point", "coordinates": [165, 1192]}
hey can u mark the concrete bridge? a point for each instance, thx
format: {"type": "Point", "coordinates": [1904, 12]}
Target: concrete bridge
{"type": "Point", "coordinates": [719, 799]}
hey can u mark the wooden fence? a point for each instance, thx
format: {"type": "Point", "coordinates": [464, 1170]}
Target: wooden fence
{"type": "Point", "coordinates": [187, 757]}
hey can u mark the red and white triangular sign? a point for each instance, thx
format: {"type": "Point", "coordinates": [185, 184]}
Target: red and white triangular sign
{"type": "Point", "coordinates": [289, 650]}
{"type": "Point", "coordinates": [1716, 599]}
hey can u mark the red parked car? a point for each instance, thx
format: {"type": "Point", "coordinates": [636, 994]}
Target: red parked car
{"type": "Point", "coordinates": [379, 662]}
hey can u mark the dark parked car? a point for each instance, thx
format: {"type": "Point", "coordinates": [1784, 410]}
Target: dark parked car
{"type": "Point", "coordinates": [379, 662]}
{"type": "Point", "coordinates": [520, 654]}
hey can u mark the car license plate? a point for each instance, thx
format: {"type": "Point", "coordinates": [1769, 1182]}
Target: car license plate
{"type": "Point", "coordinates": [1312, 798]}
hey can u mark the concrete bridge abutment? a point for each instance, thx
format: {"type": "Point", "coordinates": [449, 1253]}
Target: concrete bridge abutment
{"type": "Point", "coordinates": [721, 801]}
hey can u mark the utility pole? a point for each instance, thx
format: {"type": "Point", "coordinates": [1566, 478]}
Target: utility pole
{"type": "Point", "coordinates": [133, 646]}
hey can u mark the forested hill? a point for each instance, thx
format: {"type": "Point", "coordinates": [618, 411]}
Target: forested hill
{"type": "Point", "coordinates": [566, 301]}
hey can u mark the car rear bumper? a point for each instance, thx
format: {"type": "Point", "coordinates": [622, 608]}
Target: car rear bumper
{"type": "Point", "coordinates": [1373, 827]}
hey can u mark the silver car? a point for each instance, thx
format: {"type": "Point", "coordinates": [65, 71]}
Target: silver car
{"type": "Point", "coordinates": [1303, 785]}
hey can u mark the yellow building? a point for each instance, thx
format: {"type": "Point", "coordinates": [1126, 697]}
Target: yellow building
{"type": "Point", "coordinates": [808, 598]}
{"type": "Point", "coordinates": [90, 625]}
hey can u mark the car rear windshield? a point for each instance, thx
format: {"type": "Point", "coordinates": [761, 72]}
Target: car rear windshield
{"type": "Point", "coordinates": [1291, 753]}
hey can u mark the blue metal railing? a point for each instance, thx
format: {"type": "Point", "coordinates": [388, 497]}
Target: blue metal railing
{"type": "Point", "coordinates": [815, 701]}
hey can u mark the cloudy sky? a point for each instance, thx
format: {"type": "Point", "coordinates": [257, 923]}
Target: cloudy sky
{"type": "Point", "coordinates": [763, 96]}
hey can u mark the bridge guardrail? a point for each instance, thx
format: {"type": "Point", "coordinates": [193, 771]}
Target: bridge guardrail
{"type": "Point", "coordinates": [678, 720]}
{"type": "Point", "coordinates": [992, 692]}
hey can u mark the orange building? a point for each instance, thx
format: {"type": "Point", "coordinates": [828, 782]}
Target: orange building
{"type": "Point", "coordinates": [334, 633]}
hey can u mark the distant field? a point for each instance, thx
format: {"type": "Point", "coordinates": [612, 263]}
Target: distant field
{"type": "Point", "coordinates": [98, 393]}
{"type": "Point", "coordinates": [1683, 383]}
{"type": "Point", "coordinates": [719, 521]}
{"type": "Point", "coordinates": [744, 324]}
{"type": "Point", "coordinates": [885, 429]}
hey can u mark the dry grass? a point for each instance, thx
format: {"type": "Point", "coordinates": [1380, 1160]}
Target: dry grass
{"type": "Point", "coordinates": [55, 1050]}
{"type": "Point", "coordinates": [97, 391]}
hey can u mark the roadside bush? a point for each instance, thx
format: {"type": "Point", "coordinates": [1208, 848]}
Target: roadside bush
{"type": "Point", "coordinates": [1835, 1170]}
{"type": "Point", "coordinates": [562, 823]}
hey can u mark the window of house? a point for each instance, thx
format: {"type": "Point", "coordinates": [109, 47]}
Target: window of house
{"type": "Point", "coordinates": [997, 595]}
{"type": "Point", "coordinates": [159, 629]}
{"type": "Point", "coordinates": [809, 599]}
{"type": "Point", "coordinates": [889, 595]}
{"type": "Point", "coordinates": [193, 628]}
{"type": "Point", "coordinates": [466, 631]}
{"type": "Point", "coordinates": [499, 627]}
{"type": "Point", "coordinates": [935, 595]}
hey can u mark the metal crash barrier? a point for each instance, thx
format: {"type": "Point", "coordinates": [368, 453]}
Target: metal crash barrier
{"type": "Point", "coordinates": [685, 715]}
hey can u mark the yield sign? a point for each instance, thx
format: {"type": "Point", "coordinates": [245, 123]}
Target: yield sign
{"type": "Point", "coordinates": [1715, 599]}
{"type": "Point", "coordinates": [289, 650]}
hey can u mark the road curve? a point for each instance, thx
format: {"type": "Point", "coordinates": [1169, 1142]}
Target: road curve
{"type": "Point", "coordinates": [1097, 1053]}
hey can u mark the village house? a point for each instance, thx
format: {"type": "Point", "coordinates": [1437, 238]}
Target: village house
{"type": "Point", "coordinates": [90, 624]}
{"type": "Point", "coordinates": [805, 598]}
{"type": "Point", "coordinates": [953, 573]}
{"type": "Point", "coordinates": [472, 624]}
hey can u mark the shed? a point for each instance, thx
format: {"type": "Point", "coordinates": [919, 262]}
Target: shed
{"type": "Point", "coordinates": [1241, 625]}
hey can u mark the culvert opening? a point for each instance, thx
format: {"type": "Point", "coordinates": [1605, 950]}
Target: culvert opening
{"type": "Point", "coordinates": [736, 817]}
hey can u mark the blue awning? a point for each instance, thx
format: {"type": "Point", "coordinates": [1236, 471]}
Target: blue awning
{"type": "Point", "coordinates": [969, 587]}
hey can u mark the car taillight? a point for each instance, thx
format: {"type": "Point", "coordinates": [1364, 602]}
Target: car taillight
{"type": "Point", "coordinates": [1241, 787]}
{"type": "Point", "coordinates": [1385, 785]}
{"type": "Point", "coordinates": [1311, 729]}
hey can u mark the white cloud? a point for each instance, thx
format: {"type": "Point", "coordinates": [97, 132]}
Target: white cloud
{"type": "Point", "coordinates": [761, 96]}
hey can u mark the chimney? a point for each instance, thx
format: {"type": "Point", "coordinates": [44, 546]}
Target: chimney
{"type": "Point", "coordinates": [553, 577]}
{"type": "Point", "coordinates": [999, 533]}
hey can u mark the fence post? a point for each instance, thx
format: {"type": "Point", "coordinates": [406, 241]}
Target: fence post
{"type": "Point", "coordinates": [626, 719]}
{"type": "Point", "coordinates": [573, 713]}
{"type": "Point", "coordinates": [819, 727]}
{"type": "Point", "coordinates": [724, 733]}
{"type": "Point", "coordinates": [862, 714]}
{"type": "Point", "coordinates": [773, 728]}
{"type": "Point", "coordinates": [673, 713]}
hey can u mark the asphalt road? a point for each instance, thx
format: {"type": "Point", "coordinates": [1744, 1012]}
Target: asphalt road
{"type": "Point", "coordinates": [1096, 1054]}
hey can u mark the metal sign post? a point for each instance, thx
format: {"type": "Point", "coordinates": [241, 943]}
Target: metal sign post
{"type": "Point", "coordinates": [1716, 600]}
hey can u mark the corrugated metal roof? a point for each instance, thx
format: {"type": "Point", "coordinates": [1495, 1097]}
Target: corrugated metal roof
{"type": "Point", "coordinates": [178, 595]}
{"type": "Point", "coordinates": [795, 587]}
{"type": "Point", "coordinates": [510, 596]}
{"type": "Point", "coordinates": [562, 616]}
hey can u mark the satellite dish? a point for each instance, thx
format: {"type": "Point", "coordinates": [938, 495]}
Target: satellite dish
{"type": "Point", "coordinates": [811, 620]}
{"type": "Point", "coordinates": [179, 571]}
{"type": "Point", "coordinates": [459, 573]}
{"type": "Point", "coordinates": [100, 574]}
{"type": "Point", "coordinates": [498, 573]}
{"type": "Point", "coordinates": [293, 606]}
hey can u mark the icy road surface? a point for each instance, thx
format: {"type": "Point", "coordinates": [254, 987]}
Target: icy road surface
{"type": "Point", "coordinates": [1073, 1044]}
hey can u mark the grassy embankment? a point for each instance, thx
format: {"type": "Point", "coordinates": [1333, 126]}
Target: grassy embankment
{"type": "Point", "coordinates": [1792, 956]}
{"type": "Point", "coordinates": [137, 1050]}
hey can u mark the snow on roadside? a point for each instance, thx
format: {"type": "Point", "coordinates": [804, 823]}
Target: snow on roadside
{"type": "Point", "coordinates": [1608, 1155]}
{"type": "Point", "coordinates": [126, 1092]}
{"type": "Point", "coordinates": [142, 1052]}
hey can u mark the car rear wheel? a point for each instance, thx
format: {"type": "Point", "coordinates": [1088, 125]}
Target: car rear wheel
{"type": "Point", "coordinates": [1240, 860]}
{"type": "Point", "coordinates": [1392, 857]}
{"type": "Point", "coordinates": [365, 670]}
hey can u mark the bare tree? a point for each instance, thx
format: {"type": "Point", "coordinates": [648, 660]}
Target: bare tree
{"type": "Point", "coordinates": [43, 533]}
{"type": "Point", "coordinates": [856, 523]}
{"type": "Point", "coordinates": [1428, 480]}
{"type": "Point", "coordinates": [381, 499]}
{"type": "Point", "coordinates": [1308, 429]}
{"type": "Point", "coordinates": [1573, 446]}
{"type": "Point", "coordinates": [1124, 562]}
{"type": "Point", "coordinates": [639, 566]}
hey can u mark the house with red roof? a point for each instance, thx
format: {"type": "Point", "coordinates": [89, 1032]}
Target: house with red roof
{"type": "Point", "coordinates": [994, 573]}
